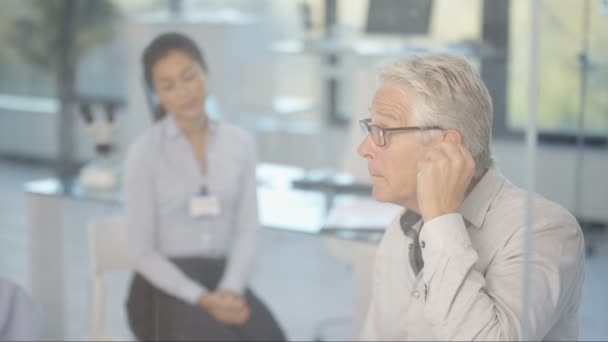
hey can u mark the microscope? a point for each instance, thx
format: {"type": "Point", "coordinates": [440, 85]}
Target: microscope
{"type": "Point", "coordinates": [102, 172]}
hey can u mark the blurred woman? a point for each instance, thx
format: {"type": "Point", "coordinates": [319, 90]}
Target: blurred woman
{"type": "Point", "coordinates": [190, 201]}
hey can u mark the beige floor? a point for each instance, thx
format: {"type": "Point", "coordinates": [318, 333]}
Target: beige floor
{"type": "Point", "coordinates": [295, 274]}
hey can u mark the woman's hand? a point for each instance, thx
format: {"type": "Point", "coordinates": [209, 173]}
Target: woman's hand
{"type": "Point", "coordinates": [226, 307]}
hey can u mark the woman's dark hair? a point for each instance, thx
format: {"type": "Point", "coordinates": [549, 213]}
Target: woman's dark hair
{"type": "Point", "coordinates": [160, 47]}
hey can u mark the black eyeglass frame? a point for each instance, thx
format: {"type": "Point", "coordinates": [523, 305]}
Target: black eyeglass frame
{"type": "Point", "coordinates": [367, 126]}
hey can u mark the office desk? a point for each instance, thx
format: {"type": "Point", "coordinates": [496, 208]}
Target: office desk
{"type": "Point", "coordinates": [280, 207]}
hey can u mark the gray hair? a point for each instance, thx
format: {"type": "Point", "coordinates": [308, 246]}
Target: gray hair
{"type": "Point", "coordinates": [450, 95]}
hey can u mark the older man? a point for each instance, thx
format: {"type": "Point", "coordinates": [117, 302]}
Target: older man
{"type": "Point", "coordinates": [451, 266]}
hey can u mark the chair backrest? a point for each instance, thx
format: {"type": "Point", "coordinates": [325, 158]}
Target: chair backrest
{"type": "Point", "coordinates": [108, 251]}
{"type": "Point", "coordinates": [108, 244]}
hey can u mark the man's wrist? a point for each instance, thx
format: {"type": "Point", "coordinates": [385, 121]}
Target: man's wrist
{"type": "Point", "coordinates": [429, 215]}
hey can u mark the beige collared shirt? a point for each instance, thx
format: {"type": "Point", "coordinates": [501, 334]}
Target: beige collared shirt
{"type": "Point", "coordinates": [471, 284]}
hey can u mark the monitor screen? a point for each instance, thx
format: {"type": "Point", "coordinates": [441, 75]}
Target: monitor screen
{"type": "Point", "coordinates": [399, 17]}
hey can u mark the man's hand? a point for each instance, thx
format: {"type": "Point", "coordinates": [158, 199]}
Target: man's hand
{"type": "Point", "coordinates": [226, 307]}
{"type": "Point", "coordinates": [444, 175]}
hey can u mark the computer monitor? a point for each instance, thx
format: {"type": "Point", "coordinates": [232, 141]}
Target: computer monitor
{"type": "Point", "coordinates": [399, 17]}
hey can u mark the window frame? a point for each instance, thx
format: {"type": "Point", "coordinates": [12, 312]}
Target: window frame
{"type": "Point", "coordinates": [494, 72]}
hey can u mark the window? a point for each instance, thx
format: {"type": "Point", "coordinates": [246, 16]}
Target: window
{"type": "Point", "coordinates": [451, 21]}
{"type": "Point", "coordinates": [101, 68]}
{"type": "Point", "coordinates": [561, 43]}
{"type": "Point", "coordinates": [17, 77]}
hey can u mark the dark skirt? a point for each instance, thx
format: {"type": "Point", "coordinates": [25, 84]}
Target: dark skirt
{"type": "Point", "coordinates": [157, 316]}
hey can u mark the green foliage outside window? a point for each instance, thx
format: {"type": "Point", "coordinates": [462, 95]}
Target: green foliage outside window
{"type": "Point", "coordinates": [561, 42]}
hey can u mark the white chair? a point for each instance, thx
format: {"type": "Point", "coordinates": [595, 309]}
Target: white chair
{"type": "Point", "coordinates": [108, 250]}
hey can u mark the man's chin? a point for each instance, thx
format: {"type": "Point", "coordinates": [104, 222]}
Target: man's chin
{"type": "Point", "coordinates": [379, 195]}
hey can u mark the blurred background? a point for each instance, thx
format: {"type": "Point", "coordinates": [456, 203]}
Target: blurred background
{"type": "Point", "coordinates": [296, 74]}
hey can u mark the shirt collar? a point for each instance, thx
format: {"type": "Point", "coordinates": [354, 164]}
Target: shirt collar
{"type": "Point", "coordinates": [409, 219]}
{"type": "Point", "coordinates": [173, 132]}
{"type": "Point", "coordinates": [475, 206]}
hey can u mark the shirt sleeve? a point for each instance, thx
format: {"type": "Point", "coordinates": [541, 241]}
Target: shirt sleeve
{"type": "Point", "coordinates": [242, 251]}
{"type": "Point", "coordinates": [21, 317]}
{"type": "Point", "coordinates": [463, 304]}
{"type": "Point", "coordinates": [140, 211]}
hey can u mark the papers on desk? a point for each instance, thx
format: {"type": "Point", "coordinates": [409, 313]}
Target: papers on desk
{"type": "Point", "coordinates": [361, 215]}
{"type": "Point", "coordinates": [291, 210]}
{"type": "Point", "coordinates": [277, 175]}
{"type": "Point", "coordinates": [328, 180]}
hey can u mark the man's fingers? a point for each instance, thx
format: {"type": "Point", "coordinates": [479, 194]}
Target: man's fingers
{"type": "Point", "coordinates": [455, 153]}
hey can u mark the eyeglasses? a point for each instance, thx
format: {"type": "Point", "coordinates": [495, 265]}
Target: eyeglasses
{"type": "Point", "coordinates": [379, 133]}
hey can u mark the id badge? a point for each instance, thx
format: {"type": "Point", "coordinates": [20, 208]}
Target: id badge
{"type": "Point", "coordinates": [204, 205]}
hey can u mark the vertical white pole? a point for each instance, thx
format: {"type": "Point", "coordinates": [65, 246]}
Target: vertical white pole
{"type": "Point", "coordinates": [531, 144]}
{"type": "Point", "coordinates": [583, 60]}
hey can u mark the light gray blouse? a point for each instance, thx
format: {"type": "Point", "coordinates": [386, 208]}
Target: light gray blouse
{"type": "Point", "coordinates": [161, 176]}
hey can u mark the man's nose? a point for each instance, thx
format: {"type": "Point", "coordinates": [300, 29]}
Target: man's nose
{"type": "Point", "coordinates": [364, 149]}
